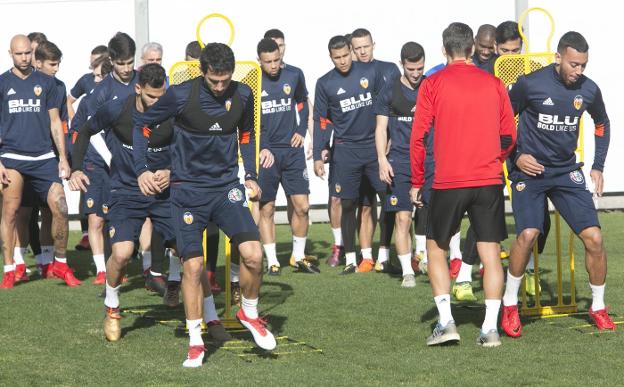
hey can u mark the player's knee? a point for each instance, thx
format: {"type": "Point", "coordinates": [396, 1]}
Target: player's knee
{"type": "Point", "coordinates": [193, 268]}
{"type": "Point", "coordinates": [267, 210]}
{"type": "Point", "coordinates": [528, 236]}
{"type": "Point", "coordinates": [336, 202]}
{"type": "Point", "coordinates": [592, 238]}
{"type": "Point", "coordinates": [403, 221]}
{"type": "Point", "coordinates": [302, 209]}
{"type": "Point", "coordinates": [251, 255]}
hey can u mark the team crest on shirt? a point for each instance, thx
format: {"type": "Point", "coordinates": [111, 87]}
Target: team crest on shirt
{"type": "Point", "coordinates": [286, 88]}
{"type": "Point", "coordinates": [578, 102]}
{"type": "Point", "coordinates": [577, 177]}
{"type": "Point", "coordinates": [364, 82]}
{"type": "Point", "coordinates": [37, 90]}
{"type": "Point", "coordinates": [394, 200]}
{"type": "Point", "coordinates": [89, 202]}
{"type": "Point", "coordinates": [305, 174]}
{"type": "Point", "coordinates": [338, 188]}
{"type": "Point", "coordinates": [235, 195]}
{"type": "Point", "coordinates": [228, 104]}
{"type": "Point", "coordinates": [111, 232]}
{"type": "Point", "coordinates": [520, 186]}
{"type": "Point", "coordinates": [105, 208]}
{"type": "Point", "coordinates": [188, 217]}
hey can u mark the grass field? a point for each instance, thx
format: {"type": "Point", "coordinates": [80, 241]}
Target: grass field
{"type": "Point", "coordinates": [361, 329]}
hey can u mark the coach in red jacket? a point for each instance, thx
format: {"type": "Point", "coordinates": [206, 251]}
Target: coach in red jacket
{"type": "Point", "coordinates": [474, 131]}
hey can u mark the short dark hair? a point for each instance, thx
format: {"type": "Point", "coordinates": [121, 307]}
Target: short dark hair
{"type": "Point", "coordinates": [107, 66]}
{"type": "Point", "coordinates": [153, 75]}
{"type": "Point", "coordinates": [274, 33]}
{"type": "Point", "coordinates": [218, 58]}
{"type": "Point", "coordinates": [47, 50]}
{"type": "Point", "coordinates": [100, 60]}
{"type": "Point", "coordinates": [193, 49]}
{"type": "Point", "coordinates": [506, 31]}
{"type": "Point", "coordinates": [458, 40]}
{"type": "Point", "coordinates": [99, 50]}
{"type": "Point", "coordinates": [338, 42]}
{"type": "Point", "coordinates": [361, 33]}
{"type": "Point", "coordinates": [487, 30]}
{"type": "Point", "coordinates": [573, 40]}
{"type": "Point", "coordinates": [121, 46]}
{"type": "Point", "coordinates": [267, 45]}
{"type": "Point", "coordinates": [38, 37]}
{"type": "Point", "coordinates": [412, 52]}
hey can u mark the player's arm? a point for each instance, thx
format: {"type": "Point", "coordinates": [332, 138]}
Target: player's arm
{"type": "Point", "coordinates": [507, 123]}
{"type": "Point", "coordinates": [301, 98]}
{"type": "Point", "coordinates": [602, 137]}
{"type": "Point", "coordinates": [247, 145]}
{"type": "Point", "coordinates": [423, 119]}
{"type": "Point", "coordinates": [321, 136]}
{"type": "Point", "coordinates": [518, 96]}
{"type": "Point", "coordinates": [382, 112]}
{"type": "Point", "coordinates": [58, 136]}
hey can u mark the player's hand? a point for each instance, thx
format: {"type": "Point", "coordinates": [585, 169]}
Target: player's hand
{"type": "Point", "coordinates": [319, 168]}
{"type": "Point", "coordinates": [4, 175]}
{"type": "Point", "coordinates": [416, 196]}
{"type": "Point", "coordinates": [162, 178]}
{"type": "Point", "coordinates": [64, 169]}
{"type": "Point", "coordinates": [147, 185]}
{"type": "Point", "coordinates": [385, 171]}
{"type": "Point", "coordinates": [297, 140]}
{"type": "Point", "coordinates": [266, 158]}
{"type": "Point", "coordinates": [253, 190]}
{"type": "Point", "coordinates": [308, 152]}
{"type": "Point", "coordinates": [598, 181]}
{"type": "Point", "coordinates": [529, 165]}
{"type": "Point", "coordinates": [78, 181]}
{"type": "Point", "coordinates": [325, 155]}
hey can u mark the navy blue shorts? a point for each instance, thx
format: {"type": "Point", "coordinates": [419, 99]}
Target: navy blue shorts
{"type": "Point", "coordinates": [567, 191]}
{"type": "Point", "coordinates": [331, 176]}
{"type": "Point", "coordinates": [96, 199]}
{"type": "Point", "coordinates": [289, 169]}
{"type": "Point", "coordinates": [351, 165]}
{"type": "Point", "coordinates": [128, 211]}
{"type": "Point", "coordinates": [193, 209]}
{"type": "Point", "coordinates": [398, 196]}
{"type": "Point", "coordinates": [38, 175]}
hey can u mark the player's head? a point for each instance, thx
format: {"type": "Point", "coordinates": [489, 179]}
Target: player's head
{"type": "Point", "coordinates": [458, 41]}
{"type": "Point", "coordinates": [353, 56]}
{"type": "Point", "coordinates": [192, 51]}
{"type": "Point", "coordinates": [362, 45]}
{"type": "Point", "coordinates": [151, 85]}
{"type": "Point", "coordinates": [48, 58]}
{"type": "Point", "coordinates": [269, 57]}
{"type": "Point", "coordinates": [152, 52]}
{"type": "Point", "coordinates": [571, 57]}
{"type": "Point", "coordinates": [340, 53]}
{"type": "Point", "coordinates": [485, 41]}
{"type": "Point", "coordinates": [217, 65]}
{"type": "Point", "coordinates": [413, 62]}
{"type": "Point", "coordinates": [36, 38]}
{"type": "Point", "coordinates": [121, 49]}
{"type": "Point", "coordinates": [508, 40]}
{"type": "Point", "coordinates": [278, 36]}
{"type": "Point", "coordinates": [101, 67]}
{"type": "Point", "coordinates": [21, 52]}
{"type": "Point", "coordinates": [97, 52]}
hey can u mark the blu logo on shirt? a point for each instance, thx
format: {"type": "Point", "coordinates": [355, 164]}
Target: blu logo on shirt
{"type": "Point", "coordinates": [352, 103]}
{"type": "Point", "coordinates": [554, 123]}
{"type": "Point", "coordinates": [24, 106]}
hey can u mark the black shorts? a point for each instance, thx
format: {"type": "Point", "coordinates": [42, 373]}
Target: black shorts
{"type": "Point", "coordinates": [420, 220]}
{"type": "Point", "coordinates": [485, 207]}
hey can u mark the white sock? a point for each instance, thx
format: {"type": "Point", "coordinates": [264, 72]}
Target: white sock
{"type": "Point", "coordinates": [383, 255]}
{"type": "Point", "coordinates": [8, 268]}
{"type": "Point", "coordinates": [174, 268]}
{"type": "Point", "coordinates": [234, 272]}
{"type": "Point", "coordinates": [465, 273]}
{"type": "Point", "coordinates": [511, 289]}
{"type": "Point", "coordinates": [531, 264]}
{"type": "Point", "coordinates": [100, 265]}
{"type": "Point", "coordinates": [112, 296]}
{"type": "Point", "coordinates": [406, 263]}
{"type": "Point", "coordinates": [421, 243]}
{"type": "Point", "coordinates": [18, 255]}
{"type": "Point", "coordinates": [367, 253]}
{"type": "Point", "coordinates": [269, 251]}
{"type": "Point", "coordinates": [455, 251]}
{"type": "Point", "coordinates": [61, 260]}
{"type": "Point", "coordinates": [210, 312]}
{"type": "Point", "coordinates": [48, 254]}
{"type": "Point", "coordinates": [147, 259]}
{"type": "Point", "coordinates": [350, 259]}
{"type": "Point", "coordinates": [443, 303]}
{"type": "Point", "coordinates": [194, 328]}
{"type": "Point", "coordinates": [597, 297]}
{"type": "Point", "coordinates": [491, 315]}
{"type": "Point", "coordinates": [299, 244]}
{"type": "Point", "coordinates": [250, 307]}
{"type": "Point", "coordinates": [337, 236]}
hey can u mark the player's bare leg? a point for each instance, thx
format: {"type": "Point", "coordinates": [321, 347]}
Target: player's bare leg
{"type": "Point", "coordinates": [403, 241]}
{"type": "Point", "coordinates": [366, 231]}
{"type": "Point", "coordinates": [266, 225]}
{"type": "Point", "coordinates": [299, 225]}
{"type": "Point", "coordinates": [60, 233]}
{"type": "Point", "coordinates": [11, 199]}
{"type": "Point", "coordinates": [115, 270]}
{"type": "Point", "coordinates": [335, 219]}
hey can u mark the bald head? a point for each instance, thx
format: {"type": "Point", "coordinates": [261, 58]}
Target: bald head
{"type": "Point", "coordinates": [484, 42]}
{"type": "Point", "coordinates": [21, 53]}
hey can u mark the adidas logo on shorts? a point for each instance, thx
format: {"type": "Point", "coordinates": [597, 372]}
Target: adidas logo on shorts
{"type": "Point", "coordinates": [548, 102]}
{"type": "Point", "coordinates": [215, 127]}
